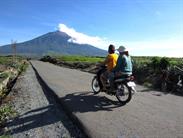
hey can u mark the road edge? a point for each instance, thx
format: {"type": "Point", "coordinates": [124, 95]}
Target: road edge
{"type": "Point", "coordinates": [71, 115]}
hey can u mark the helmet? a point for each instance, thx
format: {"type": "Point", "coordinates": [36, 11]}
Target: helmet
{"type": "Point", "coordinates": [122, 49]}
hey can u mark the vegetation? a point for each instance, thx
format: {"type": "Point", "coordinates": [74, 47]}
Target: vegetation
{"type": "Point", "coordinates": [5, 136]}
{"type": "Point", "coordinates": [10, 69]}
{"type": "Point", "coordinates": [6, 112]}
{"type": "Point", "coordinates": [155, 61]}
{"type": "Point", "coordinates": [8, 60]}
{"type": "Point", "coordinates": [80, 59]}
{"type": "Point", "coordinates": [156, 71]}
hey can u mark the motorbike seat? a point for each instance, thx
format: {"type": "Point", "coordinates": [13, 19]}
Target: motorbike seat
{"type": "Point", "coordinates": [123, 78]}
{"type": "Point", "coordinates": [120, 80]}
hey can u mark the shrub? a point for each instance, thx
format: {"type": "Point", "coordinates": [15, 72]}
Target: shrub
{"type": "Point", "coordinates": [164, 63]}
{"type": "Point", "coordinates": [155, 62]}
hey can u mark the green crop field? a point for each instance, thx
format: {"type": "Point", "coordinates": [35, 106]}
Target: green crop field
{"type": "Point", "coordinates": [147, 60]}
{"type": "Point", "coordinates": [137, 60]}
{"type": "Point", "coordinates": [7, 60]}
{"type": "Point", "coordinates": [79, 59]}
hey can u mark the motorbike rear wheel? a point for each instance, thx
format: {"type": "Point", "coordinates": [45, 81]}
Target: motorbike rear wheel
{"type": "Point", "coordinates": [123, 93]}
{"type": "Point", "coordinates": [95, 85]}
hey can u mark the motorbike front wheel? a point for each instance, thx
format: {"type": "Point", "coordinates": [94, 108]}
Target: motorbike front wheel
{"type": "Point", "coordinates": [123, 93]}
{"type": "Point", "coordinates": [95, 85]}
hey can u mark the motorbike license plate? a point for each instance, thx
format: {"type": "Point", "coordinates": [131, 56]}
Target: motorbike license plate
{"type": "Point", "coordinates": [131, 84]}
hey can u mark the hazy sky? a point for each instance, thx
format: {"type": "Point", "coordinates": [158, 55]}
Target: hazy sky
{"type": "Point", "coordinates": [145, 27]}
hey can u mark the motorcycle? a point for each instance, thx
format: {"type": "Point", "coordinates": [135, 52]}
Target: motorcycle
{"type": "Point", "coordinates": [124, 87]}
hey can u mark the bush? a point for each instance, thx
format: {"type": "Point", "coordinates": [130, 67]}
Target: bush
{"type": "Point", "coordinates": [164, 63]}
{"type": "Point", "coordinates": [155, 62]}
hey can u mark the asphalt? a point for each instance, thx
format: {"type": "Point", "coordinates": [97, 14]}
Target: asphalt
{"type": "Point", "coordinates": [150, 114]}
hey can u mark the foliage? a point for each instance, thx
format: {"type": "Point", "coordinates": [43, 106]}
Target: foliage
{"type": "Point", "coordinates": [150, 70]}
{"type": "Point", "coordinates": [12, 70]}
{"type": "Point", "coordinates": [80, 59]}
{"type": "Point", "coordinates": [155, 62]}
{"type": "Point", "coordinates": [5, 136]}
{"type": "Point", "coordinates": [84, 59]}
{"type": "Point", "coordinates": [3, 75]}
{"type": "Point", "coordinates": [22, 67]}
{"type": "Point", "coordinates": [6, 112]}
{"type": "Point", "coordinates": [164, 63]}
{"type": "Point", "coordinates": [8, 60]}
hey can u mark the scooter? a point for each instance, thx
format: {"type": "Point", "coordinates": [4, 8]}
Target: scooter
{"type": "Point", "coordinates": [124, 87]}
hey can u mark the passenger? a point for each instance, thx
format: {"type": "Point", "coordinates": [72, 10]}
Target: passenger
{"type": "Point", "coordinates": [123, 67]}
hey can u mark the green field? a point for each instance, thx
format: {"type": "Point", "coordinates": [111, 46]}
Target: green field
{"type": "Point", "coordinates": [79, 59]}
{"type": "Point", "coordinates": [8, 60]}
{"type": "Point", "coordinates": [147, 60]}
{"type": "Point", "coordinates": [137, 60]}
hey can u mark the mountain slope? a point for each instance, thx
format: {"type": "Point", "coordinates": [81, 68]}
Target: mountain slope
{"type": "Point", "coordinates": [53, 42]}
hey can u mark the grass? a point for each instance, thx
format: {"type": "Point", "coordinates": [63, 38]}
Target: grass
{"type": "Point", "coordinates": [137, 60]}
{"type": "Point", "coordinates": [6, 112]}
{"type": "Point", "coordinates": [146, 60]}
{"type": "Point", "coordinates": [19, 66]}
{"type": "Point", "coordinates": [80, 59]}
{"type": "Point", "coordinates": [5, 60]}
{"type": "Point", "coordinates": [5, 136]}
{"type": "Point", "coordinates": [3, 75]}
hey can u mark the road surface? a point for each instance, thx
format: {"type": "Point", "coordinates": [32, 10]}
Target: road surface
{"type": "Point", "coordinates": [150, 114]}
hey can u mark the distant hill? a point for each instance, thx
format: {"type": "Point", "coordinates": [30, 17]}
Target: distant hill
{"type": "Point", "coordinates": [53, 43]}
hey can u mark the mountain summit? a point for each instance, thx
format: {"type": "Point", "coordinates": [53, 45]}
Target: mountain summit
{"type": "Point", "coordinates": [53, 42]}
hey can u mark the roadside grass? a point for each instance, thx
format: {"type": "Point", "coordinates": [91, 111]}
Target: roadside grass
{"type": "Point", "coordinates": [139, 60]}
{"type": "Point", "coordinates": [6, 112]}
{"type": "Point", "coordinates": [79, 59]}
{"type": "Point", "coordinates": [12, 70]}
{"type": "Point", "coordinates": [8, 60]}
{"type": "Point", "coordinates": [145, 60]}
{"type": "Point", "coordinates": [5, 60]}
{"type": "Point", "coordinates": [5, 136]}
{"type": "Point", "coordinates": [3, 76]}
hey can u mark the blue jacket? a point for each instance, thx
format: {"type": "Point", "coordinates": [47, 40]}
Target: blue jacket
{"type": "Point", "coordinates": [124, 65]}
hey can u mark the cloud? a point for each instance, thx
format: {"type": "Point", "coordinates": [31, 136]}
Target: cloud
{"type": "Point", "coordinates": [170, 47]}
{"type": "Point", "coordinates": [81, 38]}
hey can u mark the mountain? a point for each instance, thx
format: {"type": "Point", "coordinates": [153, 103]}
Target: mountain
{"type": "Point", "coordinates": [55, 43]}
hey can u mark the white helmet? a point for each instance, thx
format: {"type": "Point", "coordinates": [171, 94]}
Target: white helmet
{"type": "Point", "coordinates": [122, 49]}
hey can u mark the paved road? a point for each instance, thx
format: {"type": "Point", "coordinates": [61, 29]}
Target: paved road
{"type": "Point", "coordinates": [150, 114]}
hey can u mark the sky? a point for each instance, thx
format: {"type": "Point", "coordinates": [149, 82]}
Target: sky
{"type": "Point", "coordinates": [145, 27]}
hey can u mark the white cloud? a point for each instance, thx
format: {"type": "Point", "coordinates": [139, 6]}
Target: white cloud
{"type": "Point", "coordinates": [81, 38]}
{"type": "Point", "coordinates": [171, 47]}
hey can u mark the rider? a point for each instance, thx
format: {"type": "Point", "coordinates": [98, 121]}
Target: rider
{"type": "Point", "coordinates": [123, 67]}
{"type": "Point", "coordinates": [110, 62]}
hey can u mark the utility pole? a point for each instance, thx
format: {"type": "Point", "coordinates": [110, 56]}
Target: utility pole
{"type": "Point", "coordinates": [13, 46]}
